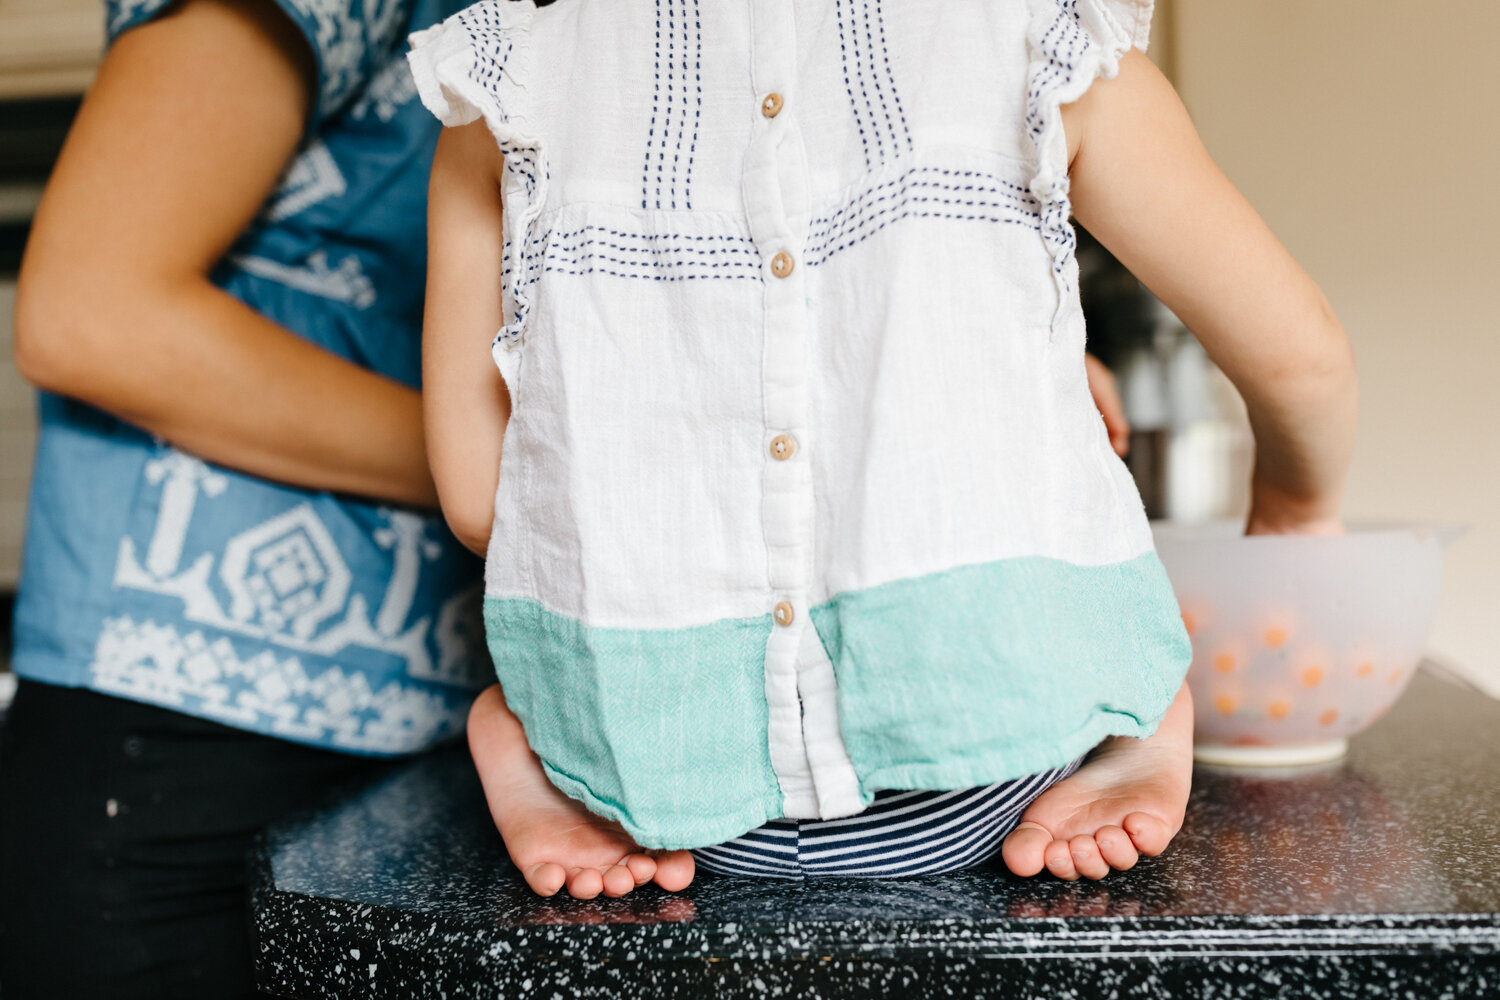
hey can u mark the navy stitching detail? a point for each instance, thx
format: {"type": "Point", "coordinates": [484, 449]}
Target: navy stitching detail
{"type": "Point", "coordinates": [654, 256]}
{"type": "Point", "coordinates": [513, 164]}
{"type": "Point", "coordinates": [582, 251]}
{"type": "Point", "coordinates": [661, 157]}
{"type": "Point", "coordinates": [859, 74]}
{"type": "Point", "coordinates": [875, 80]}
{"type": "Point", "coordinates": [698, 106]}
{"type": "Point", "coordinates": [486, 39]}
{"type": "Point", "coordinates": [579, 251]}
{"type": "Point", "coordinates": [1004, 196]}
{"type": "Point", "coordinates": [921, 192]}
{"type": "Point", "coordinates": [579, 254]}
{"type": "Point", "coordinates": [487, 67]}
{"type": "Point", "coordinates": [1062, 46]}
{"type": "Point", "coordinates": [677, 81]}
{"type": "Point", "coordinates": [844, 61]}
{"type": "Point", "coordinates": [886, 57]}
{"type": "Point", "coordinates": [655, 105]}
{"type": "Point", "coordinates": [909, 214]}
{"type": "Point", "coordinates": [748, 244]}
{"type": "Point", "coordinates": [907, 197]}
{"type": "Point", "coordinates": [997, 185]}
{"type": "Point", "coordinates": [653, 277]}
{"type": "Point", "coordinates": [677, 166]}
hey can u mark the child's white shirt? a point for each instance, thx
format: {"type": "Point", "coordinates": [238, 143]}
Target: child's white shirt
{"type": "Point", "coordinates": [804, 494]}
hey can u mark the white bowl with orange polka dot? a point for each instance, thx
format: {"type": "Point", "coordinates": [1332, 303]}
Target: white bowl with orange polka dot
{"type": "Point", "coordinates": [1299, 641]}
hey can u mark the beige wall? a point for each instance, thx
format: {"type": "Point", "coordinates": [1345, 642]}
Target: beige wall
{"type": "Point", "coordinates": [1368, 136]}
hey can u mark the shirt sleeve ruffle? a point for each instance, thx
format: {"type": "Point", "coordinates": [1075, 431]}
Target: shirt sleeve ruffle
{"type": "Point", "coordinates": [1071, 43]}
{"type": "Point", "coordinates": [475, 65]}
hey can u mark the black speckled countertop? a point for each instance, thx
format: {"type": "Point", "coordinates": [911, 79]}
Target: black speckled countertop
{"type": "Point", "coordinates": [1376, 876]}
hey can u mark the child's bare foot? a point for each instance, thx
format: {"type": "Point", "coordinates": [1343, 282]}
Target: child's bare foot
{"type": "Point", "coordinates": [1126, 800]}
{"type": "Point", "coordinates": [553, 840]}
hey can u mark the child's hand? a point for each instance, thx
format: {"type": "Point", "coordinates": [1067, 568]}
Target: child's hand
{"type": "Point", "coordinates": [1273, 512]}
{"type": "Point", "coordinates": [1107, 399]}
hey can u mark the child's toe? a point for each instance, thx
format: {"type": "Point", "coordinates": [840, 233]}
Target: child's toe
{"type": "Point", "coordinates": [1149, 833]}
{"type": "Point", "coordinates": [585, 883]}
{"type": "Point", "coordinates": [674, 870]}
{"type": "Point", "coordinates": [642, 867]}
{"type": "Point", "coordinates": [1024, 850]}
{"type": "Point", "coordinates": [546, 878]}
{"type": "Point", "coordinates": [617, 880]}
{"type": "Point", "coordinates": [1060, 860]}
{"type": "Point", "coordinates": [1116, 848]}
{"type": "Point", "coordinates": [1086, 859]}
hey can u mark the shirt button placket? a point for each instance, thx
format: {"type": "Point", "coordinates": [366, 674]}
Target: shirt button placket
{"type": "Point", "coordinates": [775, 189]}
{"type": "Point", "coordinates": [783, 446]}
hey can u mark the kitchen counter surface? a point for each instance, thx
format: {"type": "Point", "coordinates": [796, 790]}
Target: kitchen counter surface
{"type": "Point", "coordinates": [1377, 876]}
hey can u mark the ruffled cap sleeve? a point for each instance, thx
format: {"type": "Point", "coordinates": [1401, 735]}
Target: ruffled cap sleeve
{"type": "Point", "coordinates": [1072, 43]}
{"type": "Point", "coordinates": [1132, 20]}
{"type": "Point", "coordinates": [474, 64]}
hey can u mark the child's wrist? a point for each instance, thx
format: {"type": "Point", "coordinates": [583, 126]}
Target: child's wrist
{"type": "Point", "coordinates": [1275, 510]}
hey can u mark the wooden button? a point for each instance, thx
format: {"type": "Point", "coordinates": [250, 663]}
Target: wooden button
{"type": "Point", "coordinates": [781, 264]}
{"type": "Point", "coordinates": [771, 106]}
{"type": "Point", "coordinates": [782, 447]}
{"type": "Point", "coordinates": [783, 613]}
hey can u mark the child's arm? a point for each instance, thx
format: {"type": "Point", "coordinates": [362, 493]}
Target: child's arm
{"type": "Point", "coordinates": [464, 399]}
{"type": "Point", "coordinates": [1143, 184]}
{"type": "Point", "coordinates": [553, 840]}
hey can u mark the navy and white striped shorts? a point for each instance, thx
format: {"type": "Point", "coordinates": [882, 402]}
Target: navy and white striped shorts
{"type": "Point", "coordinates": [901, 833]}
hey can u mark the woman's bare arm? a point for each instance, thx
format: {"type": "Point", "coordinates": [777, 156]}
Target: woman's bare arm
{"type": "Point", "coordinates": [187, 128]}
{"type": "Point", "coordinates": [465, 399]}
{"type": "Point", "coordinates": [1143, 184]}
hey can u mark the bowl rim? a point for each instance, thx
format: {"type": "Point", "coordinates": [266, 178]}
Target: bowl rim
{"type": "Point", "coordinates": [1232, 529]}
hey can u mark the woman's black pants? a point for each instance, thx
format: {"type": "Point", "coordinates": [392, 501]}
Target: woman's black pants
{"type": "Point", "coordinates": [124, 830]}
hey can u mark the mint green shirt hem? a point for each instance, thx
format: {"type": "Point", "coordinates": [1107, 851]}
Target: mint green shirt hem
{"type": "Point", "coordinates": [693, 832]}
{"type": "Point", "coordinates": [662, 730]}
{"type": "Point", "coordinates": [991, 672]}
{"type": "Point", "coordinates": [974, 772]}
{"type": "Point", "coordinates": [968, 677]}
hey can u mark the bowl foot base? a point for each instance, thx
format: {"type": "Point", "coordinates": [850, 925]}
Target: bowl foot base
{"type": "Point", "coordinates": [1286, 755]}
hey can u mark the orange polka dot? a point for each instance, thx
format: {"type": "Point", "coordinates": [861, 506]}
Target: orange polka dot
{"type": "Point", "coordinates": [1225, 704]}
{"type": "Point", "coordinates": [1275, 637]}
{"type": "Point", "coordinates": [1365, 669]}
{"type": "Point", "coordinates": [1189, 622]}
{"type": "Point", "coordinates": [1312, 676]}
{"type": "Point", "coordinates": [1278, 709]}
{"type": "Point", "coordinates": [1225, 663]}
{"type": "Point", "coordinates": [1329, 717]}
{"type": "Point", "coordinates": [1395, 676]}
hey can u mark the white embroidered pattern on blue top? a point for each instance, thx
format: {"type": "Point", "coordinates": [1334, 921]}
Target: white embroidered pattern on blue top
{"type": "Point", "coordinates": [155, 576]}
